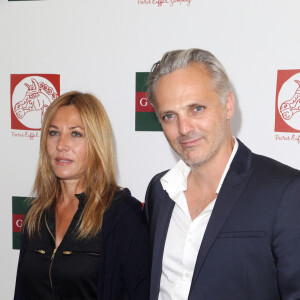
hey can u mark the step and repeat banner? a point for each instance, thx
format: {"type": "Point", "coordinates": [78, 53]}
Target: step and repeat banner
{"type": "Point", "coordinates": [107, 48]}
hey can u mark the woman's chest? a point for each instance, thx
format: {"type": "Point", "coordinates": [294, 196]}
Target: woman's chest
{"type": "Point", "coordinates": [71, 270]}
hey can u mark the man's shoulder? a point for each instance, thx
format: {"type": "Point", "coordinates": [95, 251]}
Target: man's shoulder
{"type": "Point", "coordinates": [155, 188]}
{"type": "Point", "coordinates": [156, 179]}
{"type": "Point", "coordinates": [261, 164]}
{"type": "Point", "coordinates": [273, 167]}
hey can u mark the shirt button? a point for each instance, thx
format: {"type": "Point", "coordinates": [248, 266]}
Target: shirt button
{"type": "Point", "coordinates": [187, 275]}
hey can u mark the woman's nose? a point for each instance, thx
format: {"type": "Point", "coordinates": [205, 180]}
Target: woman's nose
{"type": "Point", "coordinates": [63, 143]}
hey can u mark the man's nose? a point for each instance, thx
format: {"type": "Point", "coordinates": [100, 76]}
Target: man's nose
{"type": "Point", "coordinates": [185, 125]}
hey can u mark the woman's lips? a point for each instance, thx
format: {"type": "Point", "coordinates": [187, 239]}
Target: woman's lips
{"type": "Point", "coordinates": [63, 161]}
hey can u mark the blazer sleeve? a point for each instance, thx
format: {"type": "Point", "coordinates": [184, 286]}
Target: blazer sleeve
{"type": "Point", "coordinates": [19, 289]}
{"type": "Point", "coordinates": [153, 184]}
{"type": "Point", "coordinates": [136, 262]}
{"type": "Point", "coordinates": [286, 241]}
{"type": "Point", "coordinates": [147, 205]}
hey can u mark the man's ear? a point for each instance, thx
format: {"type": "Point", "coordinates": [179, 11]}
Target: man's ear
{"type": "Point", "coordinates": [229, 105]}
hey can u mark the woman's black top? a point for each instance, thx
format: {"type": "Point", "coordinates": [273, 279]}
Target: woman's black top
{"type": "Point", "coordinates": [112, 265]}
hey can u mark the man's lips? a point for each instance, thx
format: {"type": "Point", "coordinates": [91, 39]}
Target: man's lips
{"type": "Point", "coordinates": [189, 143]}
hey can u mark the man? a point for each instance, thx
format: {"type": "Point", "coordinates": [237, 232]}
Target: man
{"type": "Point", "coordinates": [224, 222]}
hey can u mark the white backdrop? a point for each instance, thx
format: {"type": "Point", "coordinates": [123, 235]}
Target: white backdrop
{"type": "Point", "coordinates": [97, 46]}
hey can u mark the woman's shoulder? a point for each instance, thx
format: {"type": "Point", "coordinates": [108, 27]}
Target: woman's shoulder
{"type": "Point", "coordinates": [124, 208]}
{"type": "Point", "coordinates": [124, 200]}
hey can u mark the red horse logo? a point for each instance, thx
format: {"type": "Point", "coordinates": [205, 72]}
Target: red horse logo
{"type": "Point", "coordinates": [37, 98]}
{"type": "Point", "coordinates": [292, 106]}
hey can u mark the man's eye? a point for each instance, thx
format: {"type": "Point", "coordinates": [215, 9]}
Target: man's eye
{"type": "Point", "coordinates": [199, 108]}
{"type": "Point", "coordinates": [167, 117]}
{"type": "Point", "coordinates": [53, 132]}
{"type": "Point", "coordinates": [76, 134]}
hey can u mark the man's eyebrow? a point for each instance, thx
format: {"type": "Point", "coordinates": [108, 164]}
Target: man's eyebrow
{"type": "Point", "coordinates": [167, 112]}
{"type": "Point", "coordinates": [199, 103]}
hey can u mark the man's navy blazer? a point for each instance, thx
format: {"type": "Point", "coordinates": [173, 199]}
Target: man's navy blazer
{"type": "Point", "coordinates": [251, 246]}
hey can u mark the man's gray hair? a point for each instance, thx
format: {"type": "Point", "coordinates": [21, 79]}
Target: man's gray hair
{"type": "Point", "coordinates": [179, 59]}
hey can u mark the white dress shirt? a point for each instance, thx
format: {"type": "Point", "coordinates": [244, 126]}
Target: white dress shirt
{"type": "Point", "coordinates": [184, 235]}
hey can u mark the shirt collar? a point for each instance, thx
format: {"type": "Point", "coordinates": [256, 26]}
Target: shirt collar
{"type": "Point", "coordinates": [234, 150]}
{"type": "Point", "coordinates": [175, 181]}
{"type": "Point", "coordinates": [82, 200]}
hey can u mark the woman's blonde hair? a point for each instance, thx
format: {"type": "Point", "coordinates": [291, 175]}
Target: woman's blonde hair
{"type": "Point", "coordinates": [99, 181]}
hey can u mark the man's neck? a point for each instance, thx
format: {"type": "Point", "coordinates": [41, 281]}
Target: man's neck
{"type": "Point", "coordinates": [204, 179]}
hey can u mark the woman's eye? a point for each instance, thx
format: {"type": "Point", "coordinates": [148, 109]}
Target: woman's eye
{"type": "Point", "coordinates": [199, 108]}
{"type": "Point", "coordinates": [53, 132]}
{"type": "Point", "coordinates": [77, 134]}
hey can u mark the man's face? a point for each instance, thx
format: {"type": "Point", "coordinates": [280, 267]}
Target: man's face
{"type": "Point", "coordinates": [193, 119]}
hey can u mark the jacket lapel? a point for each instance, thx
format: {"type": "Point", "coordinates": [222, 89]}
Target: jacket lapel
{"type": "Point", "coordinates": [233, 186]}
{"type": "Point", "coordinates": [160, 223]}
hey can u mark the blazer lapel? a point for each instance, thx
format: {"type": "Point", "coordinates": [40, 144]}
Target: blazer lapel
{"type": "Point", "coordinates": [161, 219]}
{"type": "Point", "coordinates": [233, 186]}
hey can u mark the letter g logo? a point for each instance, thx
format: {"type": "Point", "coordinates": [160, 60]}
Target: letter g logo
{"type": "Point", "coordinates": [144, 102]}
{"type": "Point", "coordinates": [19, 223]}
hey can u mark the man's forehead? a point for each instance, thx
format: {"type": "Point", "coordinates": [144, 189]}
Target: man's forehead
{"type": "Point", "coordinates": [194, 73]}
{"type": "Point", "coordinates": [191, 70]}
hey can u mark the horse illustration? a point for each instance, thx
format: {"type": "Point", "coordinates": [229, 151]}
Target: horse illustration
{"type": "Point", "coordinates": [292, 106]}
{"type": "Point", "coordinates": [37, 98]}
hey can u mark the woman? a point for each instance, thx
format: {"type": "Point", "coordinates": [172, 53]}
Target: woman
{"type": "Point", "coordinates": [83, 236]}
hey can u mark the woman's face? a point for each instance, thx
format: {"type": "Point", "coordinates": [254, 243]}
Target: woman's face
{"type": "Point", "coordinates": [66, 144]}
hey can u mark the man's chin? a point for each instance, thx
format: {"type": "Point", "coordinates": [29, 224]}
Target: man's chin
{"type": "Point", "coordinates": [190, 157]}
{"type": "Point", "coordinates": [193, 162]}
